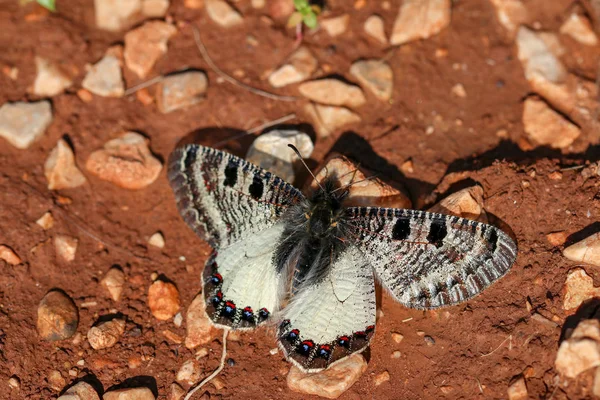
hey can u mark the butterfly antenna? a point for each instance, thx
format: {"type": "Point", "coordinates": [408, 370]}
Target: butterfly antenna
{"type": "Point", "coordinates": [291, 146]}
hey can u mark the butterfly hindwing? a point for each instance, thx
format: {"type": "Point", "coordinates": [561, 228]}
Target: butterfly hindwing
{"type": "Point", "coordinates": [430, 260]}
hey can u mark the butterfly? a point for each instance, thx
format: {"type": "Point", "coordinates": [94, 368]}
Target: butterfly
{"type": "Point", "coordinates": [308, 264]}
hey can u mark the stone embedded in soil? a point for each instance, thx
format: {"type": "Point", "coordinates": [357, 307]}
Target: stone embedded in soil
{"type": "Point", "coordinates": [545, 127]}
{"type": "Point", "coordinates": [381, 378]}
{"type": "Point", "coordinates": [145, 45]}
{"type": "Point", "coordinates": [222, 13]}
{"type": "Point", "coordinates": [106, 334]}
{"type": "Point", "coordinates": [105, 77]}
{"type": "Point", "coordinates": [155, 8]}
{"type": "Point", "coordinates": [8, 255]}
{"type": "Point", "coordinates": [198, 326]}
{"type": "Point", "coordinates": [335, 26]}
{"type": "Point", "coordinates": [271, 152]}
{"type": "Point", "coordinates": [329, 383]}
{"type": "Point", "coordinates": [557, 238]}
{"type": "Point", "coordinates": [298, 67]}
{"type": "Point", "coordinates": [80, 391]}
{"type": "Point", "coordinates": [65, 247]}
{"type": "Point", "coordinates": [22, 123]}
{"type": "Point", "coordinates": [397, 337]}
{"type": "Point", "coordinates": [181, 90]}
{"type": "Point", "coordinates": [581, 351]}
{"type": "Point", "coordinates": [14, 382]}
{"type": "Point", "coordinates": [458, 90]}
{"type": "Point", "coordinates": [537, 57]}
{"type": "Point", "coordinates": [46, 221]}
{"type": "Point", "coordinates": [280, 10]}
{"type": "Point", "coordinates": [56, 380]}
{"type": "Point", "coordinates": [374, 27]}
{"type": "Point", "coordinates": [50, 80]}
{"type": "Point", "coordinates": [126, 162]}
{"type": "Point", "coordinates": [163, 300]}
{"type": "Point", "coordinates": [328, 119]}
{"type": "Point", "coordinates": [176, 392]}
{"type": "Point", "coordinates": [60, 169]}
{"type": "Point", "coordinates": [333, 92]}
{"type": "Point", "coordinates": [115, 15]}
{"type": "Point", "coordinates": [420, 19]}
{"type": "Point", "coordinates": [57, 316]}
{"type": "Point", "coordinates": [579, 28]}
{"type": "Point", "coordinates": [376, 76]}
{"type": "Point", "coordinates": [518, 390]}
{"type": "Point", "coordinates": [511, 14]}
{"type": "Point", "coordinates": [189, 372]}
{"type": "Point", "coordinates": [138, 393]}
{"type": "Point", "coordinates": [586, 250]}
{"type": "Point", "coordinates": [113, 282]}
{"type": "Point", "coordinates": [466, 203]}
{"type": "Point", "coordinates": [157, 240]}
{"type": "Point", "coordinates": [578, 288]}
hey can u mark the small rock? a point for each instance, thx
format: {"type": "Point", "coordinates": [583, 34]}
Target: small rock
{"type": "Point", "coordinates": [466, 203]}
{"type": "Point", "coordinates": [163, 300]}
{"type": "Point", "coordinates": [281, 10]}
{"type": "Point", "coordinates": [65, 247]}
{"type": "Point", "coordinates": [332, 92]}
{"type": "Point", "coordinates": [139, 393]}
{"type": "Point", "coordinates": [144, 97]}
{"type": "Point", "coordinates": [85, 95]}
{"type": "Point", "coordinates": [46, 221]}
{"type": "Point", "coordinates": [376, 76]}
{"type": "Point", "coordinates": [180, 91]}
{"type": "Point", "coordinates": [298, 67]}
{"type": "Point", "coordinates": [126, 162]}
{"type": "Point", "coordinates": [116, 15]}
{"type": "Point", "coordinates": [56, 380]}
{"type": "Point", "coordinates": [199, 327]}
{"type": "Point", "coordinates": [113, 282]}
{"type": "Point", "coordinates": [459, 91]}
{"type": "Point", "coordinates": [329, 383]}
{"type": "Point", "coordinates": [218, 383]}
{"type": "Point", "coordinates": [578, 287]}
{"type": "Point", "coordinates": [155, 8]}
{"type": "Point", "coordinates": [537, 57]}
{"type": "Point", "coordinates": [374, 27]}
{"type": "Point", "coordinates": [178, 319]}
{"type": "Point", "coordinates": [396, 354]}
{"type": "Point", "coordinates": [429, 340]}
{"type": "Point", "coordinates": [80, 391]}
{"type": "Point", "coordinates": [545, 127]}
{"type": "Point", "coordinates": [328, 119]}
{"type": "Point", "coordinates": [258, 3]}
{"type": "Point", "coordinates": [14, 382]}
{"type": "Point", "coordinates": [7, 254]}
{"type": "Point", "coordinates": [106, 334]}
{"type": "Point", "coordinates": [420, 19]}
{"type": "Point", "coordinates": [49, 80]}
{"type": "Point", "coordinates": [407, 167]}
{"type": "Point", "coordinates": [105, 78]}
{"type": "Point", "coordinates": [579, 28]}
{"type": "Point", "coordinates": [157, 240]}
{"type": "Point", "coordinates": [335, 26]}
{"type": "Point", "coordinates": [557, 238]}
{"type": "Point", "coordinates": [381, 378]}
{"type": "Point", "coordinates": [57, 316]}
{"type": "Point", "coordinates": [172, 336]}
{"type": "Point", "coordinates": [189, 372]}
{"type": "Point", "coordinates": [60, 169]}
{"type": "Point", "coordinates": [176, 393]}
{"type": "Point", "coordinates": [145, 45]}
{"type": "Point", "coordinates": [397, 337]}
{"type": "Point", "coordinates": [511, 14]}
{"type": "Point", "coordinates": [271, 152]}
{"type": "Point", "coordinates": [22, 123]}
{"type": "Point", "coordinates": [222, 13]}
{"type": "Point", "coordinates": [194, 4]}
{"type": "Point", "coordinates": [581, 351]}
{"type": "Point", "coordinates": [587, 250]}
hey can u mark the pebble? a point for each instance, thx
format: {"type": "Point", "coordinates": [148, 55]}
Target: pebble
{"type": "Point", "coordinates": [586, 250]}
{"type": "Point", "coordinates": [397, 337]}
{"type": "Point", "coordinates": [7, 254]}
{"type": "Point", "coordinates": [65, 247]}
{"type": "Point", "coordinates": [14, 382]}
{"type": "Point", "coordinates": [172, 336]}
{"type": "Point", "coordinates": [329, 383]}
{"type": "Point", "coordinates": [85, 95]}
{"type": "Point", "coordinates": [22, 123]}
{"type": "Point", "coordinates": [178, 319]}
{"type": "Point", "coordinates": [176, 393]}
{"type": "Point", "coordinates": [466, 203]}
{"type": "Point", "coordinates": [113, 282]}
{"type": "Point", "coordinates": [60, 169]}
{"type": "Point", "coordinates": [50, 80]}
{"type": "Point", "coordinates": [557, 238]}
{"type": "Point", "coordinates": [458, 90]}
{"type": "Point", "coordinates": [328, 119]}
{"type": "Point", "coordinates": [126, 162]}
{"type": "Point", "coordinates": [580, 29]}
{"type": "Point", "coordinates": [163, 300]}
{"type": "Point", "coordinates": [194, 4]}
{"type": "Point", "coordinates": [333, 92]}
{"type": "Point", "coordinates": [157, 240]}
{"type": "Point", "coordinates": [271, 152]}
{"type": "Point", "coordinates": [155, 8]}
{"type": "Point", "coordinates": [420, 19]}
{"type": "Point", "coordinates": [116, 15]}
{"type": "Point", "coordinates": [57, 316]}
{"type": "Point", "coordinates": [198, 326]}
{"type": "Point", "coordinates": [139, 393]}
{"type": "Point", "coordinates": [105, 77]}
{"type": "Point", "coordinates": [181, 90]}
{"type": "Point", "coordinates": [381, 378]}
{"type": "Point", "coordinates": [374, 27]}
{"type": "Point", "coordinates": [581, 351]}
{"type": "Point", "coordinates": [56, 380]}
{"type": "Point", "coordinates": [145, 45]}
{"type": "Point", "coordinates": [106, 334]}
{"type": "Point", "coordinates": [222, 13]}
{"type": "Point", "coordinates": [429, 340]}
{"type": "Point", "coordinates": [537, 57]}
{"type": "Point", "coordinates": [189, 372]}
{"type": "Point", "coordinates": [258, 3]}
{"type": "Point", "coordinates": [545, 127]}
{"type": "Point", "coordinates": [298, 67]}
{"type": "Point", "coordinates": [335, 26]}
{"type": "Point", "coordinates": [511, 14]}
{"type": "Point", "coordinates": [578, 287]}
{"type": "Point", "coordinates": [396, 354]}
{"type": "Point", "coordinates": [376, 76]}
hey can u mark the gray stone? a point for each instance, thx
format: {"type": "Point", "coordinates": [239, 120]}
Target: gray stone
{"type": "Point", "coordinates": [22, 123]}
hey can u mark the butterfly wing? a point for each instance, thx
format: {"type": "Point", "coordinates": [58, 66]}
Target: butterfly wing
{"type": "Point", "coordinates": [328, 320]}
{"type": "Point", "coordinates": [430, 260]}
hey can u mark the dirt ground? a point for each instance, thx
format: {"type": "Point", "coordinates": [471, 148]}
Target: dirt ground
{"type": "Point", "coordinates": [479, 345]}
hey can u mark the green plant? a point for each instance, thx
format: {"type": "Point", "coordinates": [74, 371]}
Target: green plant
{"type": "Point", "coordinates": [305, 12]}
{"type": "Point", "coordinates": [49, 4]}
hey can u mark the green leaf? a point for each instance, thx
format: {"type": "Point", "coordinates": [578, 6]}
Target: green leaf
{"type": "Point", "coordinates": [300, 4]}
{"type": "Point", "coordinates": [310, 20]}
{"type": "Point", "coordinates": [49, 4]}
{"type": "Point", "coordinates": [294, 20]}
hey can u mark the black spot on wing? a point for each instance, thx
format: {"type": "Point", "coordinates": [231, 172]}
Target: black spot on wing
{"type": "Point", "coordinates": [493, 241]}
{"type": "Point", "coordinates": [231, 173]}
{"type": "Point", "coordinates": [437, 232]}
{"type": "Point", "coordinates": [190, 157]}
{"type": "Point", "coordinates": [401, 229]}
{"type": "Point", "coordinates": [257, 187]}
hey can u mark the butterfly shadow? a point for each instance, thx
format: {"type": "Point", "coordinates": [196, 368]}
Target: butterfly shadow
{"type": "Point", "coordinates": [589, 309]}
{"type": "Point", "coordinates": [583, 233]}
{"type": "Point", "coordinates": [91, 380]}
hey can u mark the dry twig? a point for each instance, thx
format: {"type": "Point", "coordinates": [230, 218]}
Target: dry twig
{"type": "Point", "coordinates": [193, 390]}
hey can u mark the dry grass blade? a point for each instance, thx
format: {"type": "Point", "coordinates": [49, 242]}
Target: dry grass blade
{"type": "Point", "coordinates": [193, 390]}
